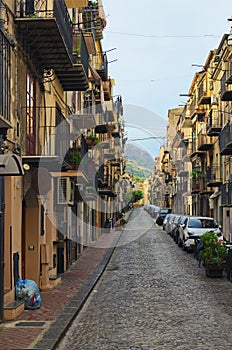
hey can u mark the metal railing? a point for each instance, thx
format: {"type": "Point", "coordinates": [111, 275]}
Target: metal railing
{"type": "Point", "coordinates": [214, 174]}
{"type": "Point", "coordinates": [54, 132]}
{"type": "Point", "coordinates": [226, 194]}
{"type": "Point", "coordinates": [47, 9]}
{"type": "Point", "coordinates": [214, 120]}
{"type": "Point", "coordinates": [225, 137]}
{"type": "Point", "coordinates": [80, 50]}
{"type": "Point", "coordinates": [223, 84]}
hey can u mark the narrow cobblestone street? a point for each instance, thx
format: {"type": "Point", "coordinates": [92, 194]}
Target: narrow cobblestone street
{"type": "Point", "coordinates": [153, 296]}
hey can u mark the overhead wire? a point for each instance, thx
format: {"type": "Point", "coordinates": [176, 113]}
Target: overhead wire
{"type": "Point", "coordinates": [163, 36]}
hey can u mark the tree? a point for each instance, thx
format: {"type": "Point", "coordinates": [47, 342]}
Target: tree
{"type": "Point", "coordinates": [136, 196]}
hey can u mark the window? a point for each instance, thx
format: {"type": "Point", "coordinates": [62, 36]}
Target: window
{"type": "Point", "coordinates": [31, 115]}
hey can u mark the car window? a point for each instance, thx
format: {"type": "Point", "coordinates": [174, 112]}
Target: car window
{"type": "Point", "coordinates": [202, 223]}
{"type": "Point", "coordinates": [164, 211]}
{"type": "Point", "coordinates": [195, 223]}
{"type": "Point", "coordinates": [209, 223]}
{"type": "Point", "coordinates": [183, 218]}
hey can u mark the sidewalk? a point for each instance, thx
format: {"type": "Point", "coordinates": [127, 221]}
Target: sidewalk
{"type": "Point", "coordinates": [42, 328]}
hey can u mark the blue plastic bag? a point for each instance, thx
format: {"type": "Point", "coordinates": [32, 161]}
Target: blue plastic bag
{"type": "Point", "coordinates": [28, 291]}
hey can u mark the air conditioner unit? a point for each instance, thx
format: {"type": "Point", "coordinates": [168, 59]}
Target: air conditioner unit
{"type": "Point", "coordinates": [214, 99]}
{"type": "Point", "coordinates": [65, 191]}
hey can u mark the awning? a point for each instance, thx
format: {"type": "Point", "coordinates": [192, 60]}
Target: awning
{"type": "Point", "coordinates": [95, 75]}
{"type": "Point", "coordinates": [76, 3]}
{"type": "Point", "coordinates": [90, 43]}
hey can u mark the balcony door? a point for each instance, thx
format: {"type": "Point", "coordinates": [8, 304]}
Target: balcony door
{"type": "Point", "coordinates": [31, 116]}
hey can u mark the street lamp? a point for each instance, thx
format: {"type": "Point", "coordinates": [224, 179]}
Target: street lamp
{"type": "Point", "coordinates": [10, 165]}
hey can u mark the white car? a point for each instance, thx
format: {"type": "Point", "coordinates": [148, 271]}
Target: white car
{"type": "Point", "coordinates": [194, 227]}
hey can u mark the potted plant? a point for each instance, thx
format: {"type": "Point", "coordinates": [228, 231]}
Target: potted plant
{"type": "Point", "coordinates": [75, 158]}
{"type": "Point", "coordinates": [212, 254]}
{"type": "Point", "coordinates": [92, 140]}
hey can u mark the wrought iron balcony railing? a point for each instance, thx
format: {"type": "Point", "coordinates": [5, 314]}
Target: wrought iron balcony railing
{"type": "Point", "coordinates": [214, 123]}
{"type": "Point", "coordinates": [45, 30]}
{"type": "Point", "coordinates": [225, 140]}
{"type": "Point", "coordinates": [204, 143]}
{"type": "Point", "coordinates": [226, 195]}
{"type": "Point", "coordinates": [226, 89]}
{"type": "Point", "coordinates": [214, 176]}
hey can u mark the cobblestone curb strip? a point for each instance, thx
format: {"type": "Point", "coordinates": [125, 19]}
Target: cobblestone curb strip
{"type": "Point", "coordinates": [59, 327]}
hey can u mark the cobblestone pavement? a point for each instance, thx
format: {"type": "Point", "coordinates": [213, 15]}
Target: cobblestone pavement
{"type": "Point", "coordinates": [42, 328]}
{"type": "Point", "coordinates": [153, 296]}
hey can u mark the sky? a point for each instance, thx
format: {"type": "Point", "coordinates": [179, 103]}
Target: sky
{"type": "Point", "coordinates": [155, 44]}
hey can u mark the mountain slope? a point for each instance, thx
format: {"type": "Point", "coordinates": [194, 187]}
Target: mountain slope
{"type": "Point", "coordinates": [139, 161]}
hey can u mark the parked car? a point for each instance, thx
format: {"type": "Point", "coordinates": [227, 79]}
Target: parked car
{"type": "Point", "coordinates": [176, 232]}
{"type": "Point", "coordinates": [161, 215]}
{"type": "Point", "coordinates": [165, 221]}
{"type": "Point", "coordinates": [154, 211]}
{"type": "Point", "coordinates": [174, 225]}
{"type": "Point", "coordinates": [169, 224]}
{"type": "Point", "coordinates": [194, 227]}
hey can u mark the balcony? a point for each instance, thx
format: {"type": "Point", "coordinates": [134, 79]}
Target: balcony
{"type": "Point", "coordinates": [48, 37]}
{"type": "Point", "coordinates": [195, 186]}
{"type": "Point", "coordinates": [225, 140]}
{"type": "Point", "coordinates": [214, 176]}
{"type": "Point", "coordinates": [226, 195]}
{"type": "Point", "coordinates": [196, 109]}
{"type": "Point", "coordinates": [93, 19]}
{"type": "Point", "coordinates": [203, 97]}
{"type": "Point", "coordinates": [75, 78]}
{"type": "Point", "coordinates": [195, 150]}
{"type": "Point", "coordinates": [107, 90]}
{"type": "Point", "coordinates": [102, 66]}
{"type": "Point", "coordinates": [204, 144]}
{"type": "Point", "coordinates": [203, 186]}
{"type": "Point", "coordinates": [214, 123]}
{"type": "Point", "coordinates": [45, 31]}
{"type": "Point", "coordinates": [226, 89]}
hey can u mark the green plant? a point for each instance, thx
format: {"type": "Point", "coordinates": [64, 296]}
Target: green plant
{"type": "Point", "coordinates": [212, 251]}
{"type": "Point", "coordinates": [75, 157]}
{"type": "Point", "coordinates": [95, 139]}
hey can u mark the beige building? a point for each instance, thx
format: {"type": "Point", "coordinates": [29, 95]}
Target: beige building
{"type": "Point", "coordinates": [200, 150]}
{"type": "Point", "coordinates": [57, 109]}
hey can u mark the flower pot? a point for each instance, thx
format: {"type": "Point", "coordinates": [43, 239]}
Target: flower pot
{"type": "Point", "coordinates": [213, 270]}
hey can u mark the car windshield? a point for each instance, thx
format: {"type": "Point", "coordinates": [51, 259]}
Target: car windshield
{"type": "Point", "coordinates": [164, 211]}
{"type": "Point", "coordinates": [202, 223]}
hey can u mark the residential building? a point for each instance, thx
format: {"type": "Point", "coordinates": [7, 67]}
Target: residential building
{"type": "Point", "coordinates": [56, 105]}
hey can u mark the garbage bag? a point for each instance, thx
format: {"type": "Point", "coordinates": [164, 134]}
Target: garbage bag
{"type": "Point", "coordinates": [28, 291]}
